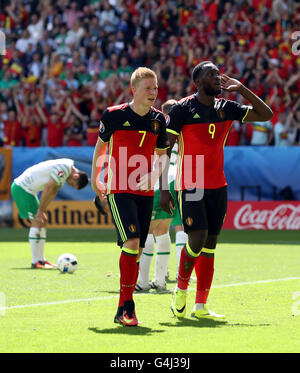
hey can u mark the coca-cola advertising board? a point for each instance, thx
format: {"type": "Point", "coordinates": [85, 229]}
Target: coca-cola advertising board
{"type": "Point", "coordinates": [269, 215]}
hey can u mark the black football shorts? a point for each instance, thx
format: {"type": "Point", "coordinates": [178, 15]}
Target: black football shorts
{"type": "Point", "coordinates": [203, 209]}
{"type": "Point", "coordinates": [131, 214]}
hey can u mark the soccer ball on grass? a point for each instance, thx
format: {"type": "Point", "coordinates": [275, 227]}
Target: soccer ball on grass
{"type": "Point", "coordinates": [67, 263]}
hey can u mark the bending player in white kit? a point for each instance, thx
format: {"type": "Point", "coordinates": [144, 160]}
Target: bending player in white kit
{"type": "Point", "coordinates": [46, 177]}
{"type": "Point", "coordinates": [159, 231]}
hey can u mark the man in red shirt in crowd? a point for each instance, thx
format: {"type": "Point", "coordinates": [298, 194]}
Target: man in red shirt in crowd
{"type": "Point", "coordinates": [55, 129]}
{"type": "Point", "coordinates": [12, 130]}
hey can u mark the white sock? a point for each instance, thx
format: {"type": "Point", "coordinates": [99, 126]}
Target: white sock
{"type": "Point", "coordinates": [163, 249]}
{"type": "Point", "coordinates": [180, 240]}
{"type": "Point", "coordinates": [145, 261]}
{"type": "Point", "coordinates": [37, 251]}
{"type": "Point", "coordinates": [42, 243]}
{"type": "Point", "coordinates": [198, 306]}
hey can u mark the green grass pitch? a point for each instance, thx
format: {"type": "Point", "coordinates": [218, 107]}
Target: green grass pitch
{"type": "Point", "coordinates": [256, 285]}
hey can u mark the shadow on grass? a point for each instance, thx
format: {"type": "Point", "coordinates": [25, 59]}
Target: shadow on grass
{"type": "Point", "coordinates": [207, 323]}
{"type": "Point", "coordinates": [140, 330]}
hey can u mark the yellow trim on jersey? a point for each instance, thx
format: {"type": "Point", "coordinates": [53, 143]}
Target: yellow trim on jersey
{"type": "Point", "coordinates": [162, 148]}
{"type": "Point", "coordinates": [208, 251]}
{"type": "Point", "coordinates": [180, 202]}
{"type": "Point", "coordinates": [246, 114]}
{"type": "Point", "coordinates": [109, 171]}
{"type": "Point", "coordinates": [104, 142]}
{"type": "Point", "coordinates": [130, 251]}
{"type": "Point", "coordinates": [226, 138]}
{"type": "Point", "coordinates": [172, 131]}
{"type": "Point", "coordinates": [116, 217]}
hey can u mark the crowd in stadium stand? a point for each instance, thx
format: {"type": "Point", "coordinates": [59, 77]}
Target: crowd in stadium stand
{"type": "Point", "coordinates": [66, 61]}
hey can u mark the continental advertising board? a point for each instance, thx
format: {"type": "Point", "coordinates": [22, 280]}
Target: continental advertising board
{"type": "Point", "coordinates": [271, 215]}
{"type": "Point", "coordinates": [70, 214]}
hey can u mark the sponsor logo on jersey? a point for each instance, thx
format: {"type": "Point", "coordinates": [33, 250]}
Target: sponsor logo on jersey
{"type": "Point", "coordinates": [126, 124]}
{"type": "Point", "coordinates": [60, 174]}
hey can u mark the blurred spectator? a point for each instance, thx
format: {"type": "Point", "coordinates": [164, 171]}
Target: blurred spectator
{"type": "Point", "coordinates": [24, 41]}
{"type": "Point", "coordinates": [92, 132]}
{"type": "Point", "coordinates": [12, 130]}
{"type": "Point", "coordinates": [108, 18]}
{"type": "Point", "coordinates": [35, 28]}
{"type": "Point", "coordinates": [281, 130]}
{"type": "Point", "coordinates": [74, 132]}
{"type": "Point", "coordinates": [3, 119]}
{"type": "Point", "coordinates": [71, 14]}
{"type": "Point", "coordinates": [262, 133]}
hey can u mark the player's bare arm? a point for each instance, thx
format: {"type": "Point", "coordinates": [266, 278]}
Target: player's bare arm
{"type": "Point", "coordinates": [260, 110]}
{"type": "Point", "coordinates": [166, 200]}
{"type": "Point", "coordinates": [98, 162]}
{"type": "Point", "coordinates": [48, 194]}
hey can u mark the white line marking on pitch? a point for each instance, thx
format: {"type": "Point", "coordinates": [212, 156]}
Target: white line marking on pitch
{"type": "Point", "coordinates": [162, 292]}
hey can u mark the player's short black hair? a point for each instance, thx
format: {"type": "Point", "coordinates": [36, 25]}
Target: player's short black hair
{"type": "Point", "coordinates": [83, 179]}
{"type": "Point", "coordinates": [198, 70]}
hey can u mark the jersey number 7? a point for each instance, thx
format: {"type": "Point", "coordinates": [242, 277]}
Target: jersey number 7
{"type": "Point", "coordinates": [143, 138]}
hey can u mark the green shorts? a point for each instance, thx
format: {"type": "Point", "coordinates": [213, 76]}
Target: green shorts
{"type": "Point", "coordinates": [27, 203]}
{"type": "Point", "coordinates": [158, 213]}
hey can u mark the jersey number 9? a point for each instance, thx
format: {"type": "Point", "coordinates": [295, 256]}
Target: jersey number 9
{"type": "Point", "coordinates": [212, 130]}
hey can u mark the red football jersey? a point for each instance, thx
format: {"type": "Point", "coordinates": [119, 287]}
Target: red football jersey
{"type": "Point", "coordinates": [132, 142]}
{"type": "Point", "coordinates": [202, 131]}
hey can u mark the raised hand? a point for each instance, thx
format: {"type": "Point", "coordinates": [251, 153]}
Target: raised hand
{"type": "Point", "coordinates": [230, 84]}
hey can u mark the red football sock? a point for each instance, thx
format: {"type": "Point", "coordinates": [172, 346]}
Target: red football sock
{"type": "Point", "coordinates": [186, 267]}
{"type": "Point", "coordinates": [128, 277]}
{"type": "Point", "coordinates": [204, 269]}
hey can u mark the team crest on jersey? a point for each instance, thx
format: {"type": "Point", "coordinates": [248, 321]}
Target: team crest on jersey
{"type": "Point", "coordinates": [189, 221]}
{"type": "Point", "coordinates": [155, 126]}
{"type": "Point", "coordinates": [101, 127]}
{"type": "Point", "coordinates": [132, 228]}
{"type": "Point", "coordinates": [221, 114]}
{"type": "Point", "coordinates": [60, 174]}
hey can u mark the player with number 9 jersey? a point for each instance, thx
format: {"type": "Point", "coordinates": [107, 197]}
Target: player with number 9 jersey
{"type": "Point", "coordinates": [202, 131]}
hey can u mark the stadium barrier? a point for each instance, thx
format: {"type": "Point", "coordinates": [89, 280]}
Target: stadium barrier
{"type": "Point", "coordinates": [256, 176]}
{"type": "Point", "coordinates": [268, 215]}
{"type": "Point", "coordinates": [252, 172]}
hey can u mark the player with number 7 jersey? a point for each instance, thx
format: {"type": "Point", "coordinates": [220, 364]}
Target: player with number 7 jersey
{"type": "Point", "coordinates": [134, 132]}
{"type": "Point", "coordinates": [132, 140]}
